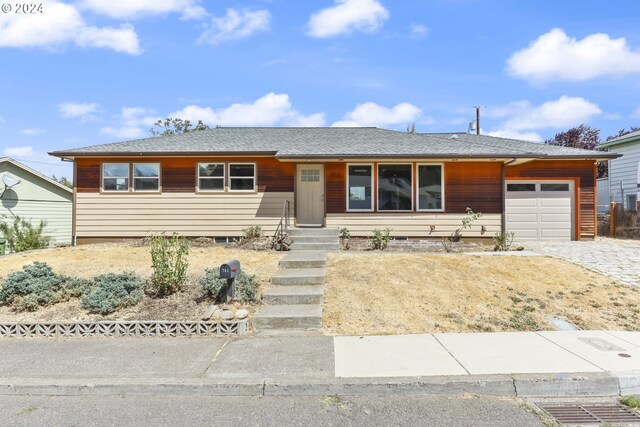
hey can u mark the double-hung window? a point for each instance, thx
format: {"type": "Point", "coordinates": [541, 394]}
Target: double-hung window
{"type": "Point", "coordinates": [115, 177]}
{"type": "Point", "coordinates": [430, 188]}
{"type": "Point", "coordinates": [395, 187]}
{"type": "Point", "coordinates": [146, 177]}
{"type": "Point", "coordinates": [242, 176]}
{"type": "Point", "coordinates": [360, 188]}
{"type": "Point", "coordinates": [211, 176]}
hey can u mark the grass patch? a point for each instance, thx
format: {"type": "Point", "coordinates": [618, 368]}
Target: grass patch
{"type": "Point", "coordinates": [632, 402]}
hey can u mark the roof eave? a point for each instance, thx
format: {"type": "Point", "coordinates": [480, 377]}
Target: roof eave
{"type": "Point", "coordinates": [620, 142]}
{"type": "Point", "coordinates": [67, 154]}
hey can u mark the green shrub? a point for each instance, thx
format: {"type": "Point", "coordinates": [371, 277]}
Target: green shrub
{"type": "Point", "coordinates": [503, 241]}
{"type": "Point", "coordinates": [113, 291]}
{"type": "Point", "coordinates": [381, 238]}
{"type": "Point", "coordinates": [211, 285]}
{"type": "Point", "coordinates": [254, 232]}
{"type": "Point", "coordinates": [169, 263]}
{"type": "Point", "coordinates": [77, 286]}
{"type": "Point", "coordinates": [345, 233]}
{"type": "Point", "coordinates": [23, 236]}
{"type": "Point", "coordinates": [36, 285]}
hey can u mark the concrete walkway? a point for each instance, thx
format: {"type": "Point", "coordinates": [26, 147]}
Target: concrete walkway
{"type": "Point", "coordinates": [546, 364]}
{"type": "Point", "coordinates": [616, 258]}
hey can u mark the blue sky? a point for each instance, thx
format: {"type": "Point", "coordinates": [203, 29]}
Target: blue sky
{"type": "Point", "coordinates": [96, 71]}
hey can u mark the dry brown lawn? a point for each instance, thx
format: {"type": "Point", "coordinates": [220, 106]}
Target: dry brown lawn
{"type": "Point", "coordinates": [91, 260]}
{"type": "Point", "coordinates": [388, 293]}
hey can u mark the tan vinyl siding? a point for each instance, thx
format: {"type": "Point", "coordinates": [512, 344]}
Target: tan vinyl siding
{"type": "Point", "coordinates": [189, 214]}
{"type": "Point", "coordinates": [57, 215]}
{"type": "Point", "coordinates": [413, 225]}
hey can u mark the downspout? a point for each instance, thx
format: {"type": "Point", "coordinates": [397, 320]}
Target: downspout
{"type": "Point", "coordinates": [503, 226]}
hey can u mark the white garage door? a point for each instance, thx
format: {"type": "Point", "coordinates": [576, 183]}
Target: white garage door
{"type": "Point", "coordinates": [540, 210]}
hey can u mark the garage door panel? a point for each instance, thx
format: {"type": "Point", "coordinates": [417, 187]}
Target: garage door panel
{"type": "Point", "coordinates": [539, 215]}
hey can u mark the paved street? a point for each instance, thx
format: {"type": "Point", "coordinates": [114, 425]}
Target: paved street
{"type": "Point", "coordinates": [616, 258]}
{"type": "Point", "coordinates": [264, 411]}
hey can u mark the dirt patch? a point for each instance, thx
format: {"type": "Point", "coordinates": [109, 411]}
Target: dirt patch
{"type": "Point", "coordinates": [91, 260]}
{"type": "Point", "coordinates": [387, 293]}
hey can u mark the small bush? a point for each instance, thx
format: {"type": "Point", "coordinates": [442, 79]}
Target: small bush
{"type": "Point", "coordinates": [503, 241]}
{"type": "Point", "coordinates": [211, 285]}
{"type": "Point", "coordinates": [24, 236]}
{"type": "Point", "coordinates": [169, 262]}
{"type": "Point", "coordinates": [345, 233]}
{"type": "Point", "coordinates": [77, 286]}
{"type": "Point", "coordinates": [254, 232]}
{"type": "Point", "coordinates": [113, 291]}
{"type": "Point", "coordinates": [381, 238]}
{"type": "Point", "coordinates": [36, 285]}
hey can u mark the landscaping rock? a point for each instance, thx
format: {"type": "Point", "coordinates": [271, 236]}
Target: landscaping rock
{"type": "Point", "coordinates": [226, 314]}
{"type": "Point", "coordinates": [242, 313]}
{"type": "Point", "coordinates": [209, 312]}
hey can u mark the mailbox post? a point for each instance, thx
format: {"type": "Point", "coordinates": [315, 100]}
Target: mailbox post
{"type": "Point", "coordinates": [229, 271]}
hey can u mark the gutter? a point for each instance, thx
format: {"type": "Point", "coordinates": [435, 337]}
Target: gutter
{"type": "Point", "coordinates": [503, 223]}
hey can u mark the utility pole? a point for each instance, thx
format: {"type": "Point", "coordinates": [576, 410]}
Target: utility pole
{"type": "Point", "coordinates": [477, 120]}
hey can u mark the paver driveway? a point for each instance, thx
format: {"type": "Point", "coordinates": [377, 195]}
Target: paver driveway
{"type": "Point", "coordinates": [619, 259]}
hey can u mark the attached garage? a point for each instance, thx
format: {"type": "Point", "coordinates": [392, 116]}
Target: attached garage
{"type": "Point", "coordinates": [540, 210]}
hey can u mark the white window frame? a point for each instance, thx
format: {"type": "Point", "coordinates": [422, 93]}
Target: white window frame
{"type": "Point", "coordinates": [255, 177]}
{"type": "Point", "coordinates": [223, 177]}
{"type": "Point", "coordinates": [373, 190]}
{"type": "Point", "coordinates": [132, 183]}
{"type": "Point", "coordinates": [128, 177]}
{"type": "Point", "coordinates": [412, 192]}
{"type": "Point", "coordinates": [418, 186]}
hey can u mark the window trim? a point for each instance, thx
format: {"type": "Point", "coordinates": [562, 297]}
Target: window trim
{"type": "Point", "coordinates": [255, 177]}
{"type": "Point", "coordinates": [442, 180]}
{"type": "Point", "coordinates": [102, 177]}
{"type": "Point", "coordinates": [373, 190]}
{"type": "Point", "coordinates": [132, 173]}
{"type": "Point", "coordinates": [378, 187]}
{"type": "Point", "coordinates": [224, 177]}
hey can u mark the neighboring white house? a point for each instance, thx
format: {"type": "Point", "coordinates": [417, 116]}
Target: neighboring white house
{"type": "Point", "coordinates": [624, 171]}
{"type": "Point", "coordinates": [31, 195]}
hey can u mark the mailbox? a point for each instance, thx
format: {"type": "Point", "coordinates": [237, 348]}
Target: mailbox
{"type": "Point", "coordinates": [230, 270]}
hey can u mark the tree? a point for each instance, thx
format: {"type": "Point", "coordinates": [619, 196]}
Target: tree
{"type": "Point", "coordinates": [583, 136]}
{"type": "Point", "coordinates": [623, 132]}
{"type": "Point", "coordinates": [173, 126]}
{"type": "Point", "coordinates": [63, 180]}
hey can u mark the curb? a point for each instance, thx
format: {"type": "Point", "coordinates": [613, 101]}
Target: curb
{"type": "Point", "coordinates": [525, 386]}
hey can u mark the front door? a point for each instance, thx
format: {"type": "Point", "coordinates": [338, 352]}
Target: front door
{"type": "Point", "coordinates": [310, 195]}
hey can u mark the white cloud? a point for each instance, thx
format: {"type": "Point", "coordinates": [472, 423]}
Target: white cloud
{"type": "Point", "coordinates": [126, 9]}
{"type": "Point", "coordinates": [556, 56]}
{"type": "Point", "coordinates": [81, 110]}
{"type": "Point", "coordinates": [525, 136]}
{"type": "Point", "coordinates": [17, 152]}
{"type": "Point", "coordinates": [636, 113]}
{"type": "Point", "coordinates": [31, 131]}
{"type": "Point", "coordinates": [347, 16]}
{"type": "Point", "coordinates": [419, 31]}
{"type": "Point", "coordinates": [236, 24]}
{"type": "Point", "coordinates": [372, 114]}
{"type": "Point", "coordinates": [134, 122]}
{"type": "Point", "coordinates": [61, 24]}
{"type": "Point", "coordinates": [522, 119]}
{"type": "Point", "coordinates": [270, 110]}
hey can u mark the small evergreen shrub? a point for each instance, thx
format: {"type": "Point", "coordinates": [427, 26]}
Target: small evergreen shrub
{"type": "Point", "coordinates": [211, 285]}
{"type": "Point", "coordinates": [113, 291]}
{"type": "Point", "coordinates": [254, 232]}
{"type": "Point", "coordinates": [77, 286]}
{"type": "Point", "coordinates": [169, 262]}
{"type": "Point", "coordinates": [381, 238]}
{"type": "Point", "coordinates": [24, 236]}
{"type": "Point", "coordinates": [35, 286]}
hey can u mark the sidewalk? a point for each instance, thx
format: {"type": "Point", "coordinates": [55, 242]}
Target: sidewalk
{"type": "Point", "coordinates": [526, 364]}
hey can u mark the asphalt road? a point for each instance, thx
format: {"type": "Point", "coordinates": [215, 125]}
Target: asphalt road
{"type": "Point", "coordinates": [263, 411]}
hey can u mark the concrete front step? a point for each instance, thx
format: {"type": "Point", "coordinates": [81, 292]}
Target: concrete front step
{"type": "Point", "coordinates": [333, 232]}
{"type": "Point", "coordinates": [299, 277]}
{"type": "Point", "coordinates": [304, 259]}
{"type": "Point", "coordinates": [299, 316]}
{"type": "Point", "coordinates": [279, 295]}
{"type": "Point", "coordinates": [328, 247]}
{"type": "Point", "coordinates": [314, 238]}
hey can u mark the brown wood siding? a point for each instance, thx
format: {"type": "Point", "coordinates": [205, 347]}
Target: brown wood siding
{"type": "Point", "coordinates": [581, 171]}
{"type": "Point", "coordinates": [336, 187]}
{"type": "Point", "coordinates": [179, 174]}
